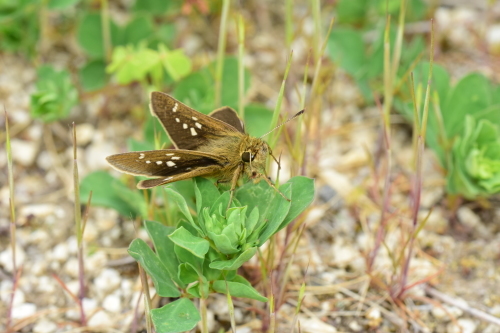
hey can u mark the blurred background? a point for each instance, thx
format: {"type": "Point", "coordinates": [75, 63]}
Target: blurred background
{"type": "Point", "coordinates": [401, 237]}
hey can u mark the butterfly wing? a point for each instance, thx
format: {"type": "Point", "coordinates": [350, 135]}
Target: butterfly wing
{"type": "Point", "coordinates": [229, 116]}
{"type": "Point", "coordinates": [168, 165]}
{"type": "Point", "coordinates": [186, 127]}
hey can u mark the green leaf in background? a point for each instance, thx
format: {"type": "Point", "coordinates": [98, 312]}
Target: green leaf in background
{"type": "Point", "coordinates": [230, 75]}
{"type": "Point", "coordinates": [302, 196]}
{"type": "Point", "coordinates": [114, 194]}
{"type": "Point", "coordinates": [238, 289]}
{"type": "Point", "coordinates": [175, 62]}
{"type": "Point", "coordinates": [178, 316]}
{"type": "Point", "coordinates": [164, 247]}
{"type": "Point", "coordinates": [472, 94]}
{"type": "Point", "coordinates": [352, 12]}
{"type": "Point", "coordinates": [153, 7]}
{"type": "Point", "coordinates": [89, 34]}
{"type": "Point", "coordinates": [138, 30]}
{"type": "Point", "coordinates": [179, 200]}
{"type": "Point", "coordinates": [130, 64]}
{"type": "Point", "coordinates": [475, 167]}
{"type": "Point", "coordinates": [93, 75]}
{"type": "Point", "coordinates": [257, 119]}
{"type": "Point", "coordinates": [196, 90]}
{"type": "Point", "coordinates": [61, 4]}
{"type": "Point", "coordinates": [196, 245]}
{"type": "Point", "coordinates": [20, 26]}
{"type": "Point", "coordinates": [55, 94]}
{"type": "Point", "coordinates": [141, 252]}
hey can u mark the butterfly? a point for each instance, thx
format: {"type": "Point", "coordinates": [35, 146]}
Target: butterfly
{"type": "Point", "coordinates": [211, 146]}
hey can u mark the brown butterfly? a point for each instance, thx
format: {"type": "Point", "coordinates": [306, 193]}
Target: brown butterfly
{"type": "Point", "coordinates": [212, 146]}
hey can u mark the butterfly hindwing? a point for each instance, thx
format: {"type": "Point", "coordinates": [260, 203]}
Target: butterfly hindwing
{"type": "Point", "coordinates": [229, 116]}
{"type": "Point", "coordinates": [186, 127]}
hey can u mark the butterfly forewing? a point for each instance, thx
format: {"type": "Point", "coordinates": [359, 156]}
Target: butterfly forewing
{"type": "Point", "coordinates": [186, 127]}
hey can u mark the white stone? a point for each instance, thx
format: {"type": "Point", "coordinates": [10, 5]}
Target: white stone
{"type": "Point", "coordinates": [100, 318]}
{"type": "Point", "coordinates": [464, 326]}
{"type": "Point", "coordinates": [60, 252]}
{"type": "Point", "coordinates": [91, 233]}
{"type": "Point", "coordinates": [355, 326]}
{"type": "Point", "coordinates": [39, 236]}
{"type": "Point", "coordinates": [108, 280]}
{"type": "Point", "coordinates": [73, 287]}
{"type": "Point", "coordinates": [72, 243]}
{"type": "Point", "coordinates": [46, 284]}
{"type": "Point", "coordinates": [45, 326]}
{"type": "Point", "coordinates": [44, 160]}
{"type": "Point", "coordinates": [6, 258]}
{"type": "Point", "coordinates": [96, 261]}
{"type": "Point", "coordinates": [374, 317]}
{"type": "Point", "coordinates": [315, 325]}
{"type": "Point", "coordinates": [71, 267]}
{"type": "Point", "coordinates": [38, 210]}
{"type": "Point", "coordinates": [112, 303]}
{"type": "Point", "coordinates": [24, 152]}
{"type": "Point", "coordinates": [23, 310]}
{"type": "Point", "coordinates": [84, 134]}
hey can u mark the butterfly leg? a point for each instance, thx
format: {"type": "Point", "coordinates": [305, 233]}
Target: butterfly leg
{"type": "Point", "coordinates": [234, 182]}
{"type": "Point", "coordinates": [273, 186]}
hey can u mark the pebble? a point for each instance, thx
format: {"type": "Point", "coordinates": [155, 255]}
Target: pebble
{"type": "Point", "coordinates": [90, 233]}
{"type": "Point", "coordinates": [315, 325]}
{"type": "Point", "coordinates": [464, 326]}
{"type": "Point", "coordinates": [97, 261]}
{"type": "Point", "coordinates": [46, 284]}
{"type": "Point", "coordinates": [44, 326]}
{"type": "Point", "coordinates": [60, 252]}
{"type": "Point", "coordinates": [23, 310]}
{"type": "Point", "coordinates": [112, 303]}
{"type": "Point", "coordinates": [84, 134]}
{"type": "Point", "coordinates": [29, 151]}
{"type": "Point", "coordinates": [355, 326]}
{"type": "Point", "coordinates": [444, 312]}
{"type": "Point", "coordinates": [108, 280]}
{"type": "Point", "coordinates": [100, 318]}
{"type": "Point", "coordinates": [5, 291]}
{"type": "Point", "coordinates": [492, 328]}
{"type": "Point", "coordinates": [71, 267]}
{"type": "Point", "coordinates": [6, 258]}
{"type": "Point", "coordinates": [374, 317]}
{"type": "Point", "coordinates": [89, 305]}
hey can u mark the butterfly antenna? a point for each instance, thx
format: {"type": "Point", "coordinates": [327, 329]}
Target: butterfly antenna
{"type": "Point", "coordinates": [291, 118]}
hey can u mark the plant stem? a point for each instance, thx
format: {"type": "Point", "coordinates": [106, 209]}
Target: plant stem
{"type": "Point", "coordinates": [241, 67]}
{"type": "Point", "coordinates": [220, 52]}
{"type": "Point", "coordinates": [203, 313]}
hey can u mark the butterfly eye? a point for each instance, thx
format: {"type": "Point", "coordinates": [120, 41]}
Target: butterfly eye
{"type": "Point", "coordinates": [245, 157]}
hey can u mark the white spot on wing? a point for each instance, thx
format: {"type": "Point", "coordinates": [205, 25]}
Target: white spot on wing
{"type": "Point", "coordinates": [168, 178]}
{"type": "Point", "coordinates": [148, 162]}
{"type": "Point", "coordinates": [159, 162]}
{"type": "Point", "coordinates": [141, 156]}
{"type": "Point", "coordinates": [170, 163]}
{"type": "Point", "coordinates": [177, 120]}
{"type": "Point", "coordinates": [185, 126]}
{"type": "Point", "coordinates": [171, 154]}
{"type": "Point", "coordinates": [194, 118]}
{"type": "Point", "coordinates": [198, 125]}
{"type": "Point", "coordinates": [175, 107]}
{"type": "Point", "coordinates": [187, 169]}
{"type": "Point", "coordinates": [193, 132]}
{"type": "Point", "coordinates": [176, 158]}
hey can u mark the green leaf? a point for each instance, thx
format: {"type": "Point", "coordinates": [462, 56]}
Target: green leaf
{"type": "Point", "coordinates": [235, 263]}
{"type": "Point", "coordinates": [154, 7]}
{"type": "Point", "coordinates": [302, 196]}
{"type": "Point", "coordinates": [178, 316]}
{"type": "Point", "coordinates": [141, 252]}
{"type": "Point", "coordinates": [110, 192]}
{"type": "Point", "coordinates": [346, 47]}
{"type": "Point", "coordinates": [352, 12]}
{"type": "Point", "coordinates": [55, 94]}
{"type": "Point", "coordinates": [133, 64]}
{"type": "Point", "coordinates": [164, 248]}
{"type": "Point", "coordinates": [179, 200]}
{"type": "Point", "coordinates": [206, 193]}
{"type": "Point", "coordinates": [222, 243]}
{"type": "Point", "coordinates": [175, 62]}
{"type": "Point", "coordinates": [238, 289]}
{"type": "Point", "coordinates": [89, 34]}
{"type": "Point", "coordinates": [276, 213]}
{"type": "Point", "coordinates": [61, 4]}
{"type": "Point", "coordinates": [93, 75]}
{"type": "Point", "coordinates": [196, 245]}
{"type": "Point", "coordinates": [187, 273]}
{"type": "Point", "coordinates": [140, 28]}
{"type": "Point", "coordinates": [230, 94]}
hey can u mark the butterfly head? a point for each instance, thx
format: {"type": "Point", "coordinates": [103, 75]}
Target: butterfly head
{"type": "Point", "coordinates": [254, 155]}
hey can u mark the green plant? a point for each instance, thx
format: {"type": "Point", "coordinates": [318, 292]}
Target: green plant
{"type": "Point", "coordinates": [202, 253]}
{"type": "Point", "coordinates": [474, 168]}
{"type": "Point", "coordinates": [55, 94]}
{"type": "Point", "coordinates": [461, 130]}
